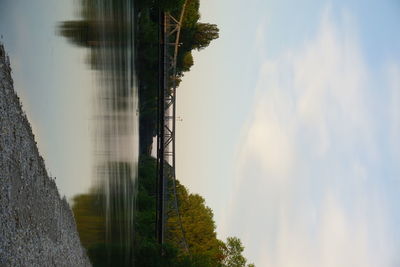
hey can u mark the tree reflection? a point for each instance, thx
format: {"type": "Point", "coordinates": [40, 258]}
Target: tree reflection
{"type": "Point", "coordinates": [108, 239]}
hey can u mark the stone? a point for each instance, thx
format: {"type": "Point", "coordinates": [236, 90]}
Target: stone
{"type": "Point", "coordinates": [37, 226]}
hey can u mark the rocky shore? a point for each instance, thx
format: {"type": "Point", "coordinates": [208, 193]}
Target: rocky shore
{"type": "Point", "coordinates": [37, 227]}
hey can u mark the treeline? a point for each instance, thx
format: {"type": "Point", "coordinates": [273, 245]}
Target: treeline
{"type": "Point", "coordinates": [194, 35]}
{"type": "Point", "coordinates": [205, 249]}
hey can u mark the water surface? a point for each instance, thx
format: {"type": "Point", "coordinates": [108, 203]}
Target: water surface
{"type": "Point", "coordinates": [73, 68]}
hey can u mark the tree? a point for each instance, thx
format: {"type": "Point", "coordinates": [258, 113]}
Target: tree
{"type": "Point", "coordinates": [192, 15]}
{"type": "Point", "coordinates": [187, 61]}
{"type": "Point", "coordinates": [233, 253]}
{"type": "Point", "coordinates": [205, 33]}
{"type": "Point", "coordinates": [199, 226]}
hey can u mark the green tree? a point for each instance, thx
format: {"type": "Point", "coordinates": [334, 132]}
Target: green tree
{"type": "Point", "coordinates": [187, 61]}
{"type": "Point", "coordinates": [205, 33]}
{"type": "Point", "coordinates": [233, 253]}
{"type": "Point", "coordinates": [199, 227]}
{"type": "Point", "coordinates": [192, 14]}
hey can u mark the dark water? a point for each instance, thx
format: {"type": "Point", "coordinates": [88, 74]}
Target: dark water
{"type": "Point", "coordinates": [105, 28]}
{"type": "Point", "coordinates": [83, 50]}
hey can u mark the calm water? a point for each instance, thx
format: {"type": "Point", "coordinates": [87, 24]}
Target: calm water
{"type": "Point", "coordinates": [73, 68]}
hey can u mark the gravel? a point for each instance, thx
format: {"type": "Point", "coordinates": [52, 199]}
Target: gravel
{"type": "Point", "coordinates": [37, 227]}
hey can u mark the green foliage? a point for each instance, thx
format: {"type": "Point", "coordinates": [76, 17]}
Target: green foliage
{"type": "Point", "coordinates": [170, 5]}
{"type": "Point", "coordinates": [198, 224]}
{"type": "Point", "coordinates": [147, 251]}
{"type": "Point", "coordinates": [205, 33]}
{"type": "Point", "coordinates": [233, 250]}
{"type": "Point", "coordinates": [233, 253]}
{"type": "Point", "coordinates": [187, 61]}
{"type": "Point", "coordinates": [192, 14]}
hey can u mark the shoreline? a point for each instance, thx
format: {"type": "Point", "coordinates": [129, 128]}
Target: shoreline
{"type": "Point", "coordinates": [37, 225]}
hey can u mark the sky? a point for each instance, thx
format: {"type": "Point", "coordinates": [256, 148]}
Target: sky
{"type": "Point", "coordinates": [289, 122]}
{"type": "Point", "coordinates": [290, 130]}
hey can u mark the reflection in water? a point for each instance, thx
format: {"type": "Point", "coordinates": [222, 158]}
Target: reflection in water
{"type": "Point", "coordinates": [106, 232]}
{"type": "Point", "coordinates": [105, 215]}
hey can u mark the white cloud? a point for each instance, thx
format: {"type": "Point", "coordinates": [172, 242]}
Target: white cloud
{"type": "Point", "coordinates": [308, 190]}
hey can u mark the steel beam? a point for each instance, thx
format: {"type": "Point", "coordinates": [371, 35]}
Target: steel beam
{"type": "Point", "coordinates": [169, 33]}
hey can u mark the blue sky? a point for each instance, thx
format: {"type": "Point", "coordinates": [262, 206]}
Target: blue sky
{"type": "Point", "coordinates": [294, 116]}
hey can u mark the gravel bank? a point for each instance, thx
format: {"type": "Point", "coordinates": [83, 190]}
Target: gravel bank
{"type": "Point", "coordinates": [37, 227]}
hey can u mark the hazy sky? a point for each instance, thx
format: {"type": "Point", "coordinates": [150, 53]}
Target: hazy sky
{"type": "Point", "coordinates": [290, 130]}
{"type": "Point", "coordinates": [290, 122]}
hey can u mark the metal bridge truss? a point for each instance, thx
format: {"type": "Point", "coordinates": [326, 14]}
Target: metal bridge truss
{"type": "Point", "coordinates": [167, 202]}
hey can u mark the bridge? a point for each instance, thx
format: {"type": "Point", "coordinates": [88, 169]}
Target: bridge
{"type": "Point", "coordinates": [169, 42]}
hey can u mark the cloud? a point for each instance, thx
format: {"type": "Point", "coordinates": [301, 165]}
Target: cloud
{"type": "Point", "coordinates": [309, 187]}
